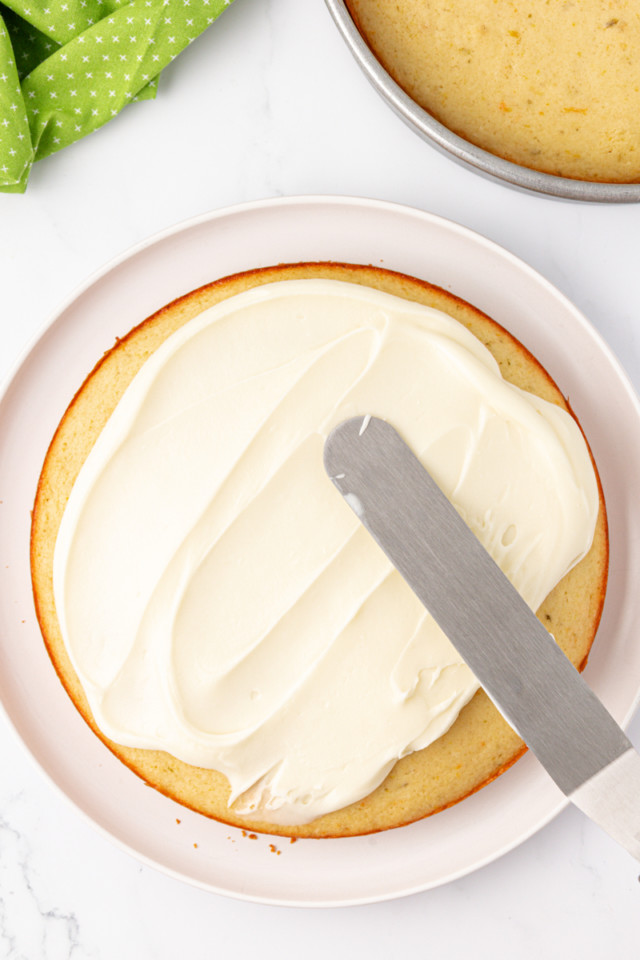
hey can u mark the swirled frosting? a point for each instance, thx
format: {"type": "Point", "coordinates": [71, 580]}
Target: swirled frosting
{"type": "Point", "coordinates": [220, 601]}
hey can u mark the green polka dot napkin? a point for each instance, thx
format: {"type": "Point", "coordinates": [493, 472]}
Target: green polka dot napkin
{"type": "Point", "coordinates": [69, 66]}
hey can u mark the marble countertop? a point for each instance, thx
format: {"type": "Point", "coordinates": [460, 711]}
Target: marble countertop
{"type": "Point", "coordinates": [269, 103]}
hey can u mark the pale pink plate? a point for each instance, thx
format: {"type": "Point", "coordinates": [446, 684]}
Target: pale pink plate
{"type": "Point", "coordinates": [322, 872]}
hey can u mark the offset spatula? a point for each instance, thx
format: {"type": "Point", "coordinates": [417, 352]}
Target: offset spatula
{"type": "Point", "coordinates": [518, 663]}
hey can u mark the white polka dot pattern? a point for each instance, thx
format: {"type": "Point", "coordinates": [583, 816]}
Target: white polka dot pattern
{"type": "Point", "coordinates": [91, 59]}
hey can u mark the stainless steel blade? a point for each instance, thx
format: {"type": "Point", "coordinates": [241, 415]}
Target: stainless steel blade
{"type": "Point", "coordinates": [515, 659]}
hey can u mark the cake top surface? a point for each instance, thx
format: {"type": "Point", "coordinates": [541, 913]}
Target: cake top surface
{"type": "Point", "coordinates": [550, 85]}
{"type": "Point", "coordinates": [221, 602]}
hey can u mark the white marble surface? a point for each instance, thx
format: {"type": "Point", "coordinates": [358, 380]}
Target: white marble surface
{"type": "Point", "coordinates": [269, 103]}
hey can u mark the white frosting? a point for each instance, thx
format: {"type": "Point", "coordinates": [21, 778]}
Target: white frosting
{"type": "Point", "coordinates": [218, 598]}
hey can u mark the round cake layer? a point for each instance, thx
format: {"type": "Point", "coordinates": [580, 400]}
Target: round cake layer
{"type": "Point", "coordinates": [430, 786]}
{"type": "Point", "coordinates": [551, 86]}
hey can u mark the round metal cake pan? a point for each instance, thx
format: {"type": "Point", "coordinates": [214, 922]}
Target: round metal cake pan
{"type": "Point", "coordinates": [430, 129]}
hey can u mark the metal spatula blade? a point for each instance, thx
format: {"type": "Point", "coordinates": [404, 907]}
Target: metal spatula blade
{"type": "Point", "coordinates": [515, 659]}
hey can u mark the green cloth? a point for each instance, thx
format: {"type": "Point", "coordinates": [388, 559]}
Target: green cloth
{"type": "Point", "coordinates": [69, 66]}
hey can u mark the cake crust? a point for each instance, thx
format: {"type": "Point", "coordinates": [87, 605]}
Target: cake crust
{"type": "Point", "coordinates": [480, 745]}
